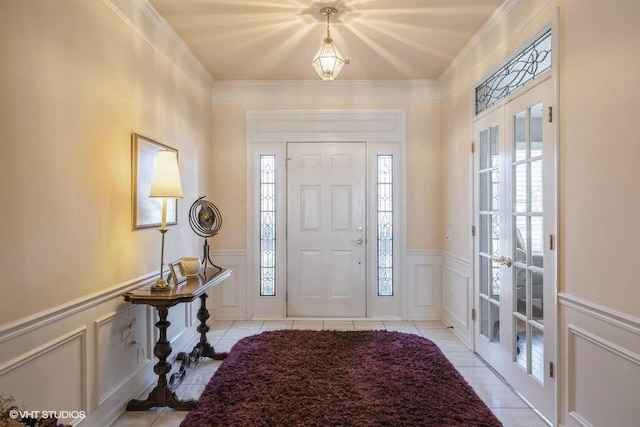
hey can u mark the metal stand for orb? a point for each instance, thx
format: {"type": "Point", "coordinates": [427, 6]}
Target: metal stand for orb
{"type": "Point", "coordinates": [206, 256]}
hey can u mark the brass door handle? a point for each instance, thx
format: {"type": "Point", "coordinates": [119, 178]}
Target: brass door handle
{"type": "Point", "coordinates": [358, 241]}
{"type": "Point", "coordinates": [502, 260]}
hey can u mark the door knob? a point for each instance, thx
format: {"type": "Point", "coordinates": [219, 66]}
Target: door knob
{"type": "Point", "coordinates": [502, 260]}
{"type": "Point", "coordinates": [359, 241]}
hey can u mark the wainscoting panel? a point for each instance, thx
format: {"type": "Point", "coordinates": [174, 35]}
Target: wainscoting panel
{"type": "Point", "coordinates": [600, 378]}
{"type": "Point", "coordinates": [423, 285]}
{"type": "Point", "coordinates": [121, 350]}
{"type": "Point", "coordinates": [457, 299]}
{"type": "Point", "coordinates": [36, 376]}
{"type": "Point", "coordinates": [229, 299]}
{"type": "Point", "coordinates": [100, 356]}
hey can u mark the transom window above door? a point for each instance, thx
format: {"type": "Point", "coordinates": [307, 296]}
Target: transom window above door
{"type": "Point", "coordinates": [527, 65]}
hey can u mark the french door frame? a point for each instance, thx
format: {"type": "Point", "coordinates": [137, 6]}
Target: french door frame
{"type": "Point", "coordinates": [501, 355]}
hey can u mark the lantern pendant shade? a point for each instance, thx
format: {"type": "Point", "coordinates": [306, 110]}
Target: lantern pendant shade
{"type": "Point", "coordinates": [328, 62]}
{"type": "Point", "coordinates": [165, 181]}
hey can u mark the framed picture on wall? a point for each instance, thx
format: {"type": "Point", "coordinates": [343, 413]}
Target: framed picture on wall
{"type": "Point", "coordinates": [147, 212]}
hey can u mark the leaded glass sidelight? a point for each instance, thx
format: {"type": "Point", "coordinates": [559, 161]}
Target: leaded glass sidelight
{"type": "Point", "coordinates": [267, 225]}
{"type": "Point", "coordinates": [534, 60]}
{"type": "Point", "coordinates": [385, 225]}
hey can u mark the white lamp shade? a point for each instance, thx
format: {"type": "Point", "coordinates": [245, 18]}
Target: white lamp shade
{"type": "Point", "coordinates": [328, 62]}
{"type": "Point", "coordinates": [165, 181]}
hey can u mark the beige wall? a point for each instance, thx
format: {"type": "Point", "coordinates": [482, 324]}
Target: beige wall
{"type": "Point", "coordinates": [599, 152]}
{"type": "Point", "coordinates": [75, 82]}
{"type": "Point", "coordinates": [423, 170]}
{"type": "Point", "coordinates": [599, 186]}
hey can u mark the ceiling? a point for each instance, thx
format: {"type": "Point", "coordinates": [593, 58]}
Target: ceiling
{"type": "Point", "coordinates": [277, 39]}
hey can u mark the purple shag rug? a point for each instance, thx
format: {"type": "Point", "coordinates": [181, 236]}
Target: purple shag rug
{"type": "Point", "coordinates": [338, 378]}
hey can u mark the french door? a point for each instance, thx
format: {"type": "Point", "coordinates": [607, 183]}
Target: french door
{"type": "Point", "coordinates": [514, 176]}
{"type": "Point", "coordinates": [326, 219]}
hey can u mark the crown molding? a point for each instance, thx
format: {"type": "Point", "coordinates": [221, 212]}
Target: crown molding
{"type": "Point", "coordinates": [145, 21]}
{"type": "Point", "coordinates": [347, 92]}
{"type": "Point", "coordinates": [457, 65]}
{"type": "Point", "coordinates": [498, 16]}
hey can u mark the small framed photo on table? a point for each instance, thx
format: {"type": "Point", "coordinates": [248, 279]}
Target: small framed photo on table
{"type": "Point", "coordinates": [176, 274]}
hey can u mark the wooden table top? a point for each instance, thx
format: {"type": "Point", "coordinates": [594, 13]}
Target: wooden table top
{"type": "Point", "coordinates": [186, 291]}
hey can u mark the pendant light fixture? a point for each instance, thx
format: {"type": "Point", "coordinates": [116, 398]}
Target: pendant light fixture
{"type": "Point", "coordinates": [328, 62]}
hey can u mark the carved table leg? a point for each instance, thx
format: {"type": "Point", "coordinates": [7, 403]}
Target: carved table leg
{"type": "Point", "coordinates": [206, 349]}
{"type": "Point", "coordinates": [161, 395]}
{"type": "Point", "coordinates": [202, 349]}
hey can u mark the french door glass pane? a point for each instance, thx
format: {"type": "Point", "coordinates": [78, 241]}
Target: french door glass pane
{"type": "Point", "coordinates": [537, 353]}
{"type": "Point", "coordinates": [495, 282]}
{"type": "Point", "coordinates": [484, 233]}
{"type": "Point", "coordinates": [521, 290]}
{"type": "Point", "coordinates": [521, 151]}
{"type": "Point", "coordinates": [485, 195]}
{"type": "Point", "coordinates": [521, 343]}
{"type": "Point", "coordinates": [484, 317]}
{"type": "Point", "coordinates": [495, 235]}
{"type": "Point", "coordinates": [537, 302]}
{"type": "Point", "coordinates": [495, 323]}
{"type": "Point", "coordinates": [535, 129]}
{"type": "Point", "coordinates": [536, 240]}
{"type": "Point", "coordinates": [520, 187]}
{"type": "Point", "coordinates": [484, 150]}
{"type": "Point", "coordinates": [495, 160]}
{"type": "Point", "coordinates": [536, 186]}
{"type": "Point", "coordinates": [521, 237]}
{"type": "Point", "coordinates": [484, 274]}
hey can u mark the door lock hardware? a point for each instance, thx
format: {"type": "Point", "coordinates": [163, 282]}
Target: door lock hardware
{"type": "Point", "coordinates": [502, 260]}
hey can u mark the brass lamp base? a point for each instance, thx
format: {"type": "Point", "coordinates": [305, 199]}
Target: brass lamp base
{"type": "Point", "coordinates": [160, 286]}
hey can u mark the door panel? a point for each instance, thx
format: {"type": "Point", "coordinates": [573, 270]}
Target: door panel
{"type": "Point", "coordinates": [325, 216]}
{"type": "Point", "coordinates": [488, 244]}
{"type": "Point", "coordinates": [515, 212]}
{"type": "Point", "coordinates": [531, 214]}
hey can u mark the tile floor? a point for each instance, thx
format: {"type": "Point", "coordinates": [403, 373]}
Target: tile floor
{"type": "Point", "coordinates": [505, 404]}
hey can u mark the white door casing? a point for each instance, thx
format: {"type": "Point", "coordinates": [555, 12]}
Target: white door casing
{"type": "Point", "coordinates": [383, 132]}
{"type": "Point", "coordinates": [514, 274]}
{"type": "Point", "coordinates": [326, 237]}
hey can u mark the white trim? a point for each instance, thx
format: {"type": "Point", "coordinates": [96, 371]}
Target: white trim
{"type": "Point", "coordinates": [145, 21]}
{"type": "Point", "coordinates": [37, 320]}
{"type": "Point", "coordinates": [348, 92]}
{"type": "Point", "coordinates": [45, 348]}
{"type": "Point", "coordinates": [604, 314]}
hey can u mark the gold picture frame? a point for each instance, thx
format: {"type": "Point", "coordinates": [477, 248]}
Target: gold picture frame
{"type": "Point", "coordinates": [176, 273]}
{"type": "Point", "coordinates": [147, 212]}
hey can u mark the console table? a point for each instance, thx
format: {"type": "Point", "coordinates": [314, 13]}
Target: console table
{"type": "Point", "coordinates": [194, 287]}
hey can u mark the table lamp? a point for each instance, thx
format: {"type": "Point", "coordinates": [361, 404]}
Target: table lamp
{"type": "Point", "coordinates": [165, 184]}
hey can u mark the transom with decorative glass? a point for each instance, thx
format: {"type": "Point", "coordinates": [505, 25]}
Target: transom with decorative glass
{"type": "Point", "coordinates": [268, 225]}
{"type": "Point", "coordinates": [534, 60]}
{"type": "Point", "coordinates": [385, 225]}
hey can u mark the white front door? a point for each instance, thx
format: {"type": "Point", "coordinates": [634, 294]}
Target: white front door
{"type": "Point", "coordinates": [326, 220]}
{"type": "Point", "coordinates": [515, 268]}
